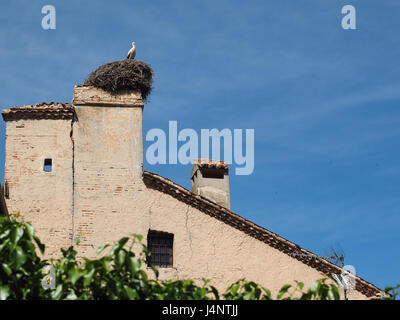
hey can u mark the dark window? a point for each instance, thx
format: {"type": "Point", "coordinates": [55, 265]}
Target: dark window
{"type": "Point", "coordinates": [160, 245]}
{"type": "Point", "coordinates": [213, 173]}
{"type": "Point", "coordinates": [47, 165]}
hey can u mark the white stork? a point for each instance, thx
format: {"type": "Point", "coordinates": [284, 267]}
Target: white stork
{"type": "Point", "coordinates": [132, 52]}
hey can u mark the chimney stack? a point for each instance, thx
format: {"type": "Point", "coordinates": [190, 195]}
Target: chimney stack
{"type": "Point", "coordinates": [107, 160]}
{"type": "Point", "coordinates": [210, 179]}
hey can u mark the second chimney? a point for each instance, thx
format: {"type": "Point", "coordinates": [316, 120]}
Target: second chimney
{"type": "Point", "coordinates": [210, 179]}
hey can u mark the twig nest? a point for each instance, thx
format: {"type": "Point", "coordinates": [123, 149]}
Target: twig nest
{"type": "Point", "coordinates": [124, 75]}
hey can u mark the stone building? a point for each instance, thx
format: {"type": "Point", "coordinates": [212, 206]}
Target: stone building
{"type": "Point", "coordinates": [75, 170]}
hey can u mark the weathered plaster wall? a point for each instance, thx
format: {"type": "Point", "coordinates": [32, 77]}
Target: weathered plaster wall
{"type": "Point", "coordinates": [205, 247]}
{"type": "Point", "coordinates": [43, 198]}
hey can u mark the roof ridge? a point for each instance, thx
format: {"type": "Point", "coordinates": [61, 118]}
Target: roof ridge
{"type": "Point", "coordinates": [274, 240]}
{"type": "Point", "coordinates": [43, 110]}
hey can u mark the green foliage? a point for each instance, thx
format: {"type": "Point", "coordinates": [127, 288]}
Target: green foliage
{"type": "Point", "coordinates": [392, 293]}
{"type": "Point", "coordinates": [119, 274]}
{"type": "Point", "coordinates": [319, 290]}
{"type": "Point", "coordinates": [21, 268]}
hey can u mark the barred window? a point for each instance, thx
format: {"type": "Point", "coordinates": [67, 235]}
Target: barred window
{"type": "Point", "coordinates": [160, 245]}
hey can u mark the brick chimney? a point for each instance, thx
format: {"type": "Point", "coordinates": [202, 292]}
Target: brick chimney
{"type": "Point", "coordinates": [108, 158]}
{"type": "Point", "coordinates": [210, 179]}
{"type": "Point", "coordinates": [108, 132]}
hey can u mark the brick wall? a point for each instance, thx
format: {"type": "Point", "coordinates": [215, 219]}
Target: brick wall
{"type": "Point", "coordinates": [108, 170]}
{"type": "Point", "coordinates": [43, 198]}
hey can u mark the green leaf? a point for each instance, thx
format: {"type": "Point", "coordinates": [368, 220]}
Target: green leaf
{"type": "Point", "coordinates": [121, 257]}
{"type": "Point", "coordinates": [7, 269]}
{"type": "Point", "coordinates": [300, 285]}
{"type": "Point", "coordinates": [215, 292]}
{"type": "Point", "coordinates": [71, 295]}
{"type": "Point", "coordinates": [40, 245]}
{"type": "Point", "coordinates": [5, 234]}
{"type": "Point", "coordinates": [134, 264]}
{"type": "Point", "coordinates": [19, 257]}
{"type": "Point", "coordinates": [119, 245]}
{"type": "Point", "coordinates": [334, 293]}
{"type": "Point", "coordinates": [106, 264]}
{"type": "Point", "coordinates": [248, 296]}
{"type": "Point", "coordinates": [30, 230]}
{"type": "Point", "coordinates": [88, 278]}
{"type": "Point", "coordinates": [234, 288]}
{"type": "Point", "coordinates": [283, 290]}
{"type": "Point", "coordinates": [17, 234]}
{"type": "Point", "coordinates": [132, 294]}
{"type": "Point", "coordinates": [4, 292]}
{"type": "Point", "coordinates": [315, 286]}
{"type": "Point", "coordinates": [56, 294]}
{"type": "Point", "coordinates": [123, 241]}
{"type": "Point", "coordinates": [5, 243]}
{"type": "Point", "coordinates": [75, 275]}
{"type": "Point", "coordinates": [267, 292]}
{"type": "Point", "coordinates": [101, 248]}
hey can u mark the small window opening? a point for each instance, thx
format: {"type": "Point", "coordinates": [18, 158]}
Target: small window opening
{"type": "Point", "coordinates": [160, 245]}
{"type": "Point", "coordinates": [213, 173]}
{"type": "Point", "coordinates": [48, 166]}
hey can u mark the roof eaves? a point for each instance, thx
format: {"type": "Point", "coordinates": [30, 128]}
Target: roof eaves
{"type": "Point", "coordinates": [57, 111]}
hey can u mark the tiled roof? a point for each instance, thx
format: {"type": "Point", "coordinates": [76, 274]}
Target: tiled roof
{"type": "Point", "coordinates": [216, 211]}
{"type": "Point", "coordinates": [42, 110]}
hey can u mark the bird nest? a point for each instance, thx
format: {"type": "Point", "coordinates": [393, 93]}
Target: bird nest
{"type": "Point", "coordinates": [121, 76]}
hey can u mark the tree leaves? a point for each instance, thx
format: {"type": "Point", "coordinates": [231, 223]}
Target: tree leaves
{"type": "Point", "coordinates": [283, 290]}
{"type": "Point", "coordinates": [6, 269]}
{"type": "Point", "coordinates": [18, 257]}
{"type": "Point", "coordinates": [101, 249]}
{"type": "Point", "coordinates": [391, 293]}
{"type": "Point", "coordinates": [4, 292]}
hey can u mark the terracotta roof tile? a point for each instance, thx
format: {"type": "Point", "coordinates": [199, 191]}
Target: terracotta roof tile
{"type": "Point", "coordinates": [206, 163]}
{"type": "Point", "coordinates": [42, 110]}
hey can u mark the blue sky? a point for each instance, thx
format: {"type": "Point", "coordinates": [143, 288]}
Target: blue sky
{"type": "Point", "coordinates": [324, 102]}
